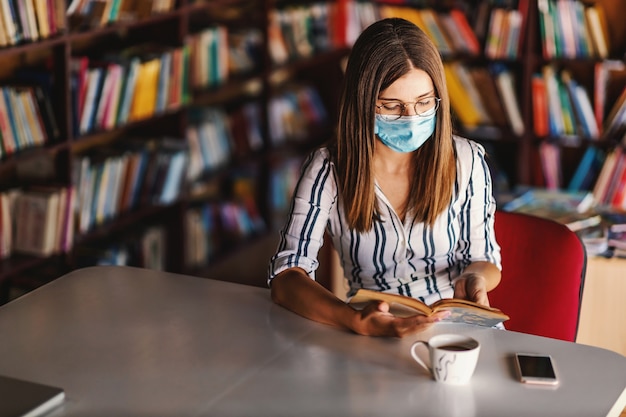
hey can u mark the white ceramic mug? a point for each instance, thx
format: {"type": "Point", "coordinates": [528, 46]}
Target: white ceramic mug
{"type": "Point", "coordinates": [452, 357]}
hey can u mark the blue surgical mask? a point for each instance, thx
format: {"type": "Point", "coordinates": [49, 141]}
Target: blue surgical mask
{"type": "Point", "coordinates": [405, 134]}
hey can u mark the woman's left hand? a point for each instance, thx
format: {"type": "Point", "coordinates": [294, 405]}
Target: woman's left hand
{"type": "Point", "coordinates": [473, 287]}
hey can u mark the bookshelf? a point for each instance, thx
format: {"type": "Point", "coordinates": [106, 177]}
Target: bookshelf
{"type": "Point", "coordinates": [160, 122]}
{"type": "Point", "coordinates": [276, 99]}
{"type": "Point", "coordinates": [519, 155]}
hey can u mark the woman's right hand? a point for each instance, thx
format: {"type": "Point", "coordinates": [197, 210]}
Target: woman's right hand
{"type": "Point", "coordinates": [376, 320]}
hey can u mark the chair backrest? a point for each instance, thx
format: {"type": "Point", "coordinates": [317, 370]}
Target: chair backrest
{"type": "Point", "coordinates": [543, 271]}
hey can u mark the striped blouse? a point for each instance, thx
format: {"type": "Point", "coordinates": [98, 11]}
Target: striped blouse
{"type": "Point", "coordinates": [394, 256]}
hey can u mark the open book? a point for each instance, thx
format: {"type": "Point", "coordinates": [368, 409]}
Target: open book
{"type": "Point", "coordinates": [463, 311]}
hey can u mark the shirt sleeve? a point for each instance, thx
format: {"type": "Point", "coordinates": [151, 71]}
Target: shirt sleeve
{"type": "Point", "coordinates": [302, 235]}
{"type": "Point", "coordinates": [477, 240]}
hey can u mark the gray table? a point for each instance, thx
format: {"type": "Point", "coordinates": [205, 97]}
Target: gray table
{"type": "Point", "coordinates": [133, 342]}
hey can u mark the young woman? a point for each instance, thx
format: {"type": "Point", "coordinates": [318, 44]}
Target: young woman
{"type": "Point", "coordinates": [407, 204]}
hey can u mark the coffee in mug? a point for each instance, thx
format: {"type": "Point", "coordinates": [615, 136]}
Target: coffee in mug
{"type": "Point", "coordinates": [452, 358]}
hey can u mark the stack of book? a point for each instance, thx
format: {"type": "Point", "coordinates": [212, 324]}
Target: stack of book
{"type": "Point", "coordinates": [43, 219]}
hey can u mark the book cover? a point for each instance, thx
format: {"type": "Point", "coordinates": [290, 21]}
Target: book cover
{"type": "Point", "coordinates": [541, 126]}
{"type": "Point", "coordinates": [460, 101]}
{"type": "Point", "coordinates": [9, 144]}
{"type": "Point", "coordinates": [472, 45]}
{"type": "Point", "coordinates": [144, 100]}
{"type": "Point", "coordinates": [41, 15]}
{"type": "Point", "coordinates": [599, 40]}
{"type": "Point", "coordinates": [506, 86]}
{"type": "Point", "coordinates": [21, 21]}
{"type": "Point", "coordinates": [22, 398]}
{"type": "Point", "coordinates": [94, 85]}
{"type": "Point", "coordinates": [587, 170]}
{"type": "Point", "coordinates": [462, 311]}
{"type": "Point", "coordinates": [9, 22]}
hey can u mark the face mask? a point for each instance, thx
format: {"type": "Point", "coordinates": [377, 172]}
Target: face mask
{"type": "Point", "coordinates": [405, 134]}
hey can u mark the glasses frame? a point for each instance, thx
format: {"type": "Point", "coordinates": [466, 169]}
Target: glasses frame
{"type": "Point", "coordinates": [404, 105]}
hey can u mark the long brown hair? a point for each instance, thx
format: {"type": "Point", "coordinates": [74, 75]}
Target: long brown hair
{"type": "Point", "coordinates": [384, 52]}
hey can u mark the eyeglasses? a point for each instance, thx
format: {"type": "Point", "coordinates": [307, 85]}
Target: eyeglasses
{"type": "Point", "coordinates": [425, 107]}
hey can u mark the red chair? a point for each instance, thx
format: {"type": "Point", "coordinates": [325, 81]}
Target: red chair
{"type": "Point", "coordinates": [543, 271]}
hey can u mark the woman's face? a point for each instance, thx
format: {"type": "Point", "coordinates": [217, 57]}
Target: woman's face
{"type": "Point", "coordinates": [410, 94]}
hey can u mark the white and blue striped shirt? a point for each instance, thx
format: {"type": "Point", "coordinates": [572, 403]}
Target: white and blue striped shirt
{"type": "Point", "coordinates": [398, 257]}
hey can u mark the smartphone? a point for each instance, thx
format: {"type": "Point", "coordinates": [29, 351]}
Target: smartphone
{"type": "Point", "coordinates": [536, 369]}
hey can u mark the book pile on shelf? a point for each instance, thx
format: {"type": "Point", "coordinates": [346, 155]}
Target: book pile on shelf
{"type": "Point", "coordinates": [83, 14]}
{"type": "Point", "coordinates": [212, 227]}
{"type": "Point", "coordinates": [145, 248]}
{"type": "Point", "coordinates": [562, 106]}
{"type": "Point", "coordinates": [573, 209]}
{"type": "Point", "coordinates": [293, 113]}
{"type": "Point", "coordinates": [26, 119]}
{"type": "Point", "coordinates": [37, 221]}
{"type": "Point", "coordinates": [596, 168]}
{"type": "Point", "coordinates": [113, 180]}
{"type": "Point", "coordinates": [498, 28]}
{"type": "Point", "coordinates": [30, 20]}
{"type": "Point", "coordinates": [484, 98]}
{"type": "Point", "coordinates": [573, 29]}
{"type": "Point", "coordinates": [208, 57]}
{"type": "Point", "coordinates": [600, 228]}
{"type": "Point", "coordinates": [136, 84]}
{"type": "Point", "coordinates": [214, 224]}
{"type": "Point", "coordinates": [301, 31]}
{"type": "Point", "coordinates": [610, 98]}
{"type": "Point", "coordinates": [210, 141]}
{"type": "Point", "coordinates": [217, 52]}
{"type": "Point", "coordinates": [616, 237]}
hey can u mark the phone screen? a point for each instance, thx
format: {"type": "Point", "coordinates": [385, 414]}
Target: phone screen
{"type": "Point", "coordinates": [536, 369]}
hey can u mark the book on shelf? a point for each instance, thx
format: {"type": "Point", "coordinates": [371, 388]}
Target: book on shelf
{"type": "Point", "coordinates": [94, 83]}
{"type": "Point", "coordinates": [7, 199]}
{"type": "Point", "coordinates": [504, 33]}
{"type": "Point", "coordinates": [505, 80]}
{"type": "Point", "coordinates": [541, 126]}
{"type": "Point", "coordinates": [609, 188]}
{"type": "Point", "coordinates": [41, 221]}
{"type": "Point", "coordinates": [488, 91]}
{"type": "Point", "coordinates": [462, 311]}
{"type": "Point", "coordinates": [41, 83]}
{"type": "Point", "coordinates": [460, 99]}
{"type": "Point", "coordinates": [569, 122]}
{"type": "Point", "coordinates": [598, 30]}
{"type": "Point", "coordinates": [587, 171]}
{"type": "Point", "coordinates": [609, 79]}
{"type": "Point", "coordinates": [144, 99]}
{"type": "Point", "coordinates": [615, 122]}
{"type": "Point", "coordinates": [572, 29]}
{"type": "Point", "coordinates": [462, 25]}
{"type": "Point", "coordinates": [9, 139]}
{"type": "Point", "coordinates": [433, 27]}
{"type": "Point", "coordinates": [25, 398]}
{"type": "Point", "coordinates": [581, 103]}
{"type": "Point", "coordinates": [555, 116]}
